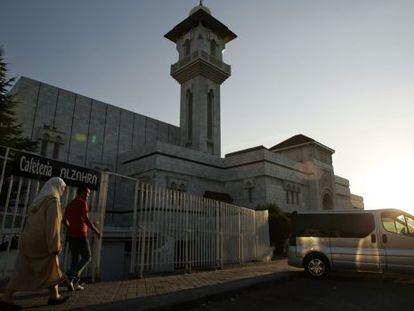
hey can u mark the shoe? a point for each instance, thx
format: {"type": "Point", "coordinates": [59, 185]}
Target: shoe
{"type": "Point", "coordinates": [78, 287]}
{"type": "Point", "coordinates": [9, 306]}
{"type": "Point", "coordinates": [60, 300]}
{"type": "Point", "coordinates": [69, 285]}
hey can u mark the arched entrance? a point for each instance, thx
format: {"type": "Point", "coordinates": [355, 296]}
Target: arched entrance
{"type": "Point", "coordinates": [327, 202]}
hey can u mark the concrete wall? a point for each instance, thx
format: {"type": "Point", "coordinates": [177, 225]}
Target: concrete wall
{"type": "Point", "coordinates": [357, 201]}
{"type": "Point", "coordinates": [342, 193]}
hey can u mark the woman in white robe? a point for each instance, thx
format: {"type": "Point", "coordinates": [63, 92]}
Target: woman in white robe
{"type": "Point", "coordinates": [37, 263]}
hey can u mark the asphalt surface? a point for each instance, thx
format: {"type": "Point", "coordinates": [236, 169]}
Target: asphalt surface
{"type": "Point", "coordinates": [338, 292]}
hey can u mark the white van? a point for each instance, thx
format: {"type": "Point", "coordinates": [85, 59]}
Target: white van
{"type": "Point", "coordinates": [368, 241]}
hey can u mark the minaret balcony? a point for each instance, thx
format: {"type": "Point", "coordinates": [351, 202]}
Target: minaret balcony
{"type": "Point", "coordinates": [200, 63]}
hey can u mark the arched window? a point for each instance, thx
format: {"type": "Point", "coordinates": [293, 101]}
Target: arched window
{"type": "Point", "coordinates": [327, 202]}
{"type": "Point", "coordinates": [210, 111]}
{"type": "Point", "coordinates": [44, 145]}
{"type": "Point", "coordinates": [56, 147]}
{"type": "Point", "coordinates": [200, 42]}
{"type": "Point", "coordinates": [189, 99]}
{"type": "Point", "coordinates": [213, 48]}
{"type": "Point", "coordinates": [187, 47]}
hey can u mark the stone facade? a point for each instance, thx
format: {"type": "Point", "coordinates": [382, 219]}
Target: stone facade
{"type": "Point", "coordinates": [296, 174]}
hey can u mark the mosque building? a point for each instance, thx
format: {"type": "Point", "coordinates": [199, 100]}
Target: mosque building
{"type": "Point", "coordinates": [296, 174]}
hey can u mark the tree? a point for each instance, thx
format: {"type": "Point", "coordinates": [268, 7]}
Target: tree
{"type": "Point", "coordinates": [278, 226]}
{"type": "Point", "coordinates": [10, 130]}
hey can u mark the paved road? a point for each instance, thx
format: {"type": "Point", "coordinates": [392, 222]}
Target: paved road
{"type": "Point", "coordinates": [339, 292]}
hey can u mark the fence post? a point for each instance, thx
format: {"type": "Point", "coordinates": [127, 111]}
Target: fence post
{"type": "Point", "coordinates": [3, 169]}
{"type": "Point", "coordinates": [254, 235]}
{"type": "Point", "coordinates": [141, 226]}
{"type": "Point", "coordinates": [221, 235]}
{"type": "Point", "coordinates": [6, 206]}
{"type": "Point", "coordinates": [218, 261]}
{"type": "Point", "coordinates": [185, 201]}
{"type": "Point", "coordinates": [240, 238]}
{"type": "Point", "coordinates": [134, 231]}
{"type": "Point", "coordinates": [103, 192]}
{"type": "Point", "coordinates": [11, 232]}
{"type": "Point", "coordinates": [144, 230]}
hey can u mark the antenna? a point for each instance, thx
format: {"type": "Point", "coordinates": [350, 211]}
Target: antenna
{"type": "Point", "coordinates": [201, 2]}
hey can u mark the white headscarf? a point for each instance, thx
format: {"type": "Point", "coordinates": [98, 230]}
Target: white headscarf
{"type": "Point", "coordinates": [55, 187]}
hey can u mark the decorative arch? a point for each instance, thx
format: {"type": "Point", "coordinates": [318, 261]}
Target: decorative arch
{"type": "Point", "coordinates": [200, 41]}
{"type": "Point", "coordinates": [182, 187]}
{"type": "Point", "coordinates": [210, 114]}
{"type": "Point", "coordinates": [189, 100]}
{"type": "Point", "coordinates": [213, 48]}
{"type": "Point", "coordinates": [44, 144]}
{"type": "Point", "coordinates": [187, 47]}
{"type": "Point", "coordinates": [56, 147]}
{"type": "Point", "coordinates": [327, 201]}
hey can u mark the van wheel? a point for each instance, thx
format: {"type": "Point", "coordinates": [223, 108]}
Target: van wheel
{"type": "Point", "coordinates": [316, 266]}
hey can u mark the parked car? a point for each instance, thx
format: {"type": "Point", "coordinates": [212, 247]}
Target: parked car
{"type": "Point", "coordinates": [365, 241]}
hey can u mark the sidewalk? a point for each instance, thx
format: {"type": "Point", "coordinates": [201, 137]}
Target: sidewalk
{"type": "Point", "coordinates": [163, 292]}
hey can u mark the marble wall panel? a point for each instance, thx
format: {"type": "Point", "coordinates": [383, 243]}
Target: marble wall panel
{"type": "Point", "coordinates": [26, 93]}
{"type": "Point", "coordinates": [151, 130]}
{"type": "Point", "coordinates": [96, 135]}
{"type": "Point", "coordinates": [80, 130]}
{"type": "Point", "coordinates": [45, 114]}
{"type": "Point", "coordinates": [126, 128]}
{"type": "Point", "coordinates": [138, 132]}
{"type": "Point", "coordinates": [64, 120]}
{"type": "Point", "coordinates": [111, 135]}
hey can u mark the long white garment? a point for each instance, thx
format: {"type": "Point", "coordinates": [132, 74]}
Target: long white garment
{"type": "Point", "coordinates": [37, 264]}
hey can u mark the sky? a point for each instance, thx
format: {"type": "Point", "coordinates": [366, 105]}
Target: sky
{"type": "Point", "coordinates": [341, 72]}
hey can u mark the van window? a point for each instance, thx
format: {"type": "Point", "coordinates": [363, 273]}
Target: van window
{"type": "Point", "coordinates": [352, 225]}
{"type": "Point", "coordinates": [333, 225]}
{"type": "Point", "coordinates": [389, 224]}
{"type": "Point", "coordinates": [397, 223]}
{"type": "Point", "coordinates": [410, 224]}
{"type": "Point", "coordinates": [311, 225]}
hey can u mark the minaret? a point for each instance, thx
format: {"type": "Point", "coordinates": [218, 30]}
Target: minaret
{"type": "Point", "coordinates": [200, 70]}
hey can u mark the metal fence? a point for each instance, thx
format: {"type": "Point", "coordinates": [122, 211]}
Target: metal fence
{"type": "Point", "coordinates": [173, 230]}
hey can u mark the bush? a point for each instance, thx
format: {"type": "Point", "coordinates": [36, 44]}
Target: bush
{"type": "Point", "coordinates": [278, 227]}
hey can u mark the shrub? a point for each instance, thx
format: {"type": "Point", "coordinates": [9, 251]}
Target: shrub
{"type": "Point", "coordinates": [278, 226]}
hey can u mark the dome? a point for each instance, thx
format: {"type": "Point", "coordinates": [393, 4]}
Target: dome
{"type": "Point", "coordinates": [200, 7]}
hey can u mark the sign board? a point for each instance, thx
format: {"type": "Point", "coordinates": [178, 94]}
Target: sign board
{"type": "Point", "coordinates": [33, 166]}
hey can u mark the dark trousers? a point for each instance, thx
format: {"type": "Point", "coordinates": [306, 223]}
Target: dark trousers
{"type": "Point", "coordinates": [81, 256]}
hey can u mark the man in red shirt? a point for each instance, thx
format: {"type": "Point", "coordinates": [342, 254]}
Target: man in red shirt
{"type": "Point", "coordinates": [77, 222]}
